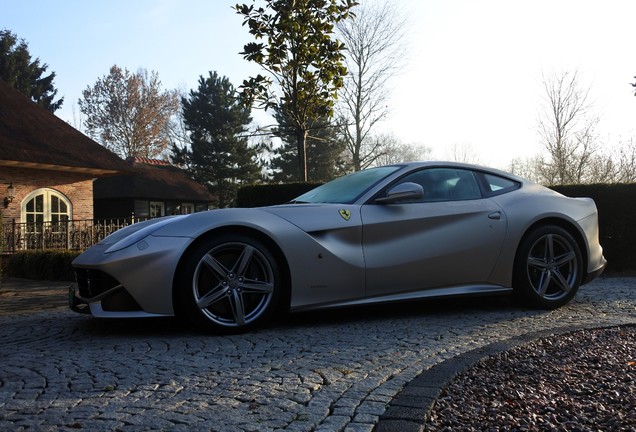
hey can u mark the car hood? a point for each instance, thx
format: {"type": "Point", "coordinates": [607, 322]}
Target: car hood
{"type": "Point", "coordinates": [306, 217]}
{"type": "Point", "coordinates": [317, 217]}
{"type": "Point", "coordinates": [139, 229]}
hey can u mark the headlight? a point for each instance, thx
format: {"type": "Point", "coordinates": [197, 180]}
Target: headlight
{"type": "Point", "coordinates": [132, 234]}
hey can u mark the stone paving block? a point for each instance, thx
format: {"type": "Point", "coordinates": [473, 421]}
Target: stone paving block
{"type": "Point", "coordinates": [374, 408]}
{"type": "Point", "coordinates": [365, 418]}
{"type": "Point", "coordinates": [359, 427]}
{"type": "Point", "coordinates": [334, 423]}
{"type": "Point", "coordinates": [344, 411]}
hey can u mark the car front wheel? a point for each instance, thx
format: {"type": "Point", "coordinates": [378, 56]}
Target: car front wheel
{"type": "Point", "coordinates": [229, 284]}
{"type": "Point", "coordinates": [548, 268]}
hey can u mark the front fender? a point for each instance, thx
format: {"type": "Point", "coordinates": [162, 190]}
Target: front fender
{"type": "Point", "coordinates": [326, 263]}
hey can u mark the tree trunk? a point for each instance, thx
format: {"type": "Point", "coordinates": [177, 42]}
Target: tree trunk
{"type": "Point", "coordinates": [301, 141]}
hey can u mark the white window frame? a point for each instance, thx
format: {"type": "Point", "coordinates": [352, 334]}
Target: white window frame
{"type": "Point", "coordinates": [187, 208]}
{"type": "Point", "coordinates": [46, 207]}
{"type": "Point", "coordinates": [156, 204]}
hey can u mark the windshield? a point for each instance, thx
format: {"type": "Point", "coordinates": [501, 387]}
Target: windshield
{"type": "Point", "coordinates": [347, 189]}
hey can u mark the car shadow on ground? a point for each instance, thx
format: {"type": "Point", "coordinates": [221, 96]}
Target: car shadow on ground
{"type": "Point", "coordinates": [316, 319]}
{"type": "Point", "coordinates": [19, 297]}
{"type": "Point", "coordinates": [397, 310]}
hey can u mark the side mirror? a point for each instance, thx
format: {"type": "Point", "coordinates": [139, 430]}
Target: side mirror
{"type": "Point", "coordinates": [403, 192]}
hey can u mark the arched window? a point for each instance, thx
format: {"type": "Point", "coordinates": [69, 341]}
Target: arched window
{"type": "Point", "coordinates": [45, 213]}
{"type": "Point", "coordinates": [46, 205]}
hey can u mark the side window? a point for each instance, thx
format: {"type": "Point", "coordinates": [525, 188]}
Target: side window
{"type": "Point", "coordinates": [445, 184]}
{"type": "Point", "coordinates": [499, 185]}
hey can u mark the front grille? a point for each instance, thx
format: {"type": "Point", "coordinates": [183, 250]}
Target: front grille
{"type": "Point", "coordinates": [92, 283]}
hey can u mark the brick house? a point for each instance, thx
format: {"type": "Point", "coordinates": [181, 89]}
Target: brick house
{"type": "Point", "coordinates": [47, 167]}
{"type": "Point", "coordinates": [55, 182]}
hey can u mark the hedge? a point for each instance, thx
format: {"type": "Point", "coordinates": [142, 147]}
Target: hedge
{"type": "Point", "coordinates": [271, 194]}
{"type": "Point", "coordinates": [41, 265]}
{"type": "Point", "coordinates": [616, 205]}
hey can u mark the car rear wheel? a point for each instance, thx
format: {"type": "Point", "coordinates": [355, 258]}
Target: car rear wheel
{"type": "Point", "coordinates": [229, 284]}
{"type": "Point", "coordinates": [548, 268]}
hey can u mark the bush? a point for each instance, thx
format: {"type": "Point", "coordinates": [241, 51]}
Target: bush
{"type": "Point", "coordinates": [41, 265]}
{"type": "Point", "coordinates": [616, 205]}
{"type": "Point", "coordinates": [271, 194]}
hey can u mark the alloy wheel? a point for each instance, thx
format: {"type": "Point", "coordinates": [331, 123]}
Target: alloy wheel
{"type": "Point", "coordinates": [233, 284]}
{"type": "Point", "coordinates": [552, 266]}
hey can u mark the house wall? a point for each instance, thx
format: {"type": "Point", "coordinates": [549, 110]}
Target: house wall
{"type": "Point", "coordinates": [78, 188]}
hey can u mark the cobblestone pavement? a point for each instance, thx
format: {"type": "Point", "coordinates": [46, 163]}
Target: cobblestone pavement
{"type": "Point", "coordinates": [329, 371]}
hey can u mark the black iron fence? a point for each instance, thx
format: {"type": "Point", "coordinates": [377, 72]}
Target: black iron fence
{"type": "Point", "coordinates": [71, 234]}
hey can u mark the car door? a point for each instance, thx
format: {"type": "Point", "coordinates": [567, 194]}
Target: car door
{"type": "Point", "coordinates": [451, 236]}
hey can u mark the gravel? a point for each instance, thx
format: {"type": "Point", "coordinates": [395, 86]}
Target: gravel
{"type": "Point", "coordinates": [581, 381]}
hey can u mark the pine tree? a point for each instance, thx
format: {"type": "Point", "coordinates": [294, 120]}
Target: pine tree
{"type": "Point", "coordinates": [19, 71]}
{"type": "Point", "coordinates": [219, 156]}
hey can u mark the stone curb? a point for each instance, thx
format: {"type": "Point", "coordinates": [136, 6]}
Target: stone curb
{"type": "Point", "coordinates": [409, 409]}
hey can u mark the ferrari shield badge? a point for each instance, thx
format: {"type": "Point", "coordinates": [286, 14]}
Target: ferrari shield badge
{"type": "Point", "coordinates": [346, 214]}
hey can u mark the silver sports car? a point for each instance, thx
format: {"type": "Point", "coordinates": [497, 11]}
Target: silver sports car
{"type": "Point", "coordinates": [386, 234]}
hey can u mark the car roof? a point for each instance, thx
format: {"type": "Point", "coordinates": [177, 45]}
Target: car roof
{"type": "Point", "coordinates": [452, 164]}
{"type": "Point", "coordinates": [409, 166]}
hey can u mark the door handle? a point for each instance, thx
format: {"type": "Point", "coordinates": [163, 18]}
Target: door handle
{"type": "Point", "coordinates": [495, 215]}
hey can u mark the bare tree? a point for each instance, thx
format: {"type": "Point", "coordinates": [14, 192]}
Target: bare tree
{"type": "Point", "coordinates": [627, 157]}
{"type": "Point", "coordinates": [179, 135]}
{"type": "Point", "coordinates": [567, 130]}
{"type": "Point", "coordinates": [627, 162]}
{"type": "Point", "coordinates": [615, 166]}
{"type": "Point", "coordinates": [374, 40]}
{"type": "Point", "coordinates": [527, 168]}
{"type": "Point", "coordinates": [129, 113]}
{"type": "Point", "coordinates": [463, 152]}
{"type": "Point", "coordinates": [602, 169]}
{"type": "Point", "coordinates": [395, 151]}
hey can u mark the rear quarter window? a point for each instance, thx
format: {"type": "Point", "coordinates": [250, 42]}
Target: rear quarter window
{"type": "Point", "coordinates": [497, 185]}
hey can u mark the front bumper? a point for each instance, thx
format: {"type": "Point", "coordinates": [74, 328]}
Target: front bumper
{"type": "Point", "coordinates": [133, 282]}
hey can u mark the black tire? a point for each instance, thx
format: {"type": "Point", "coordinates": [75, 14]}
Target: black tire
{"type": "Point", "coordinates": [548, 268]}
{"type": "Point", "coordinates": [229, 284]}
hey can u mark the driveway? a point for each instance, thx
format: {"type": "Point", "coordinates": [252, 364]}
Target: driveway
{"type": "Point", "coordinates": [328, 371]}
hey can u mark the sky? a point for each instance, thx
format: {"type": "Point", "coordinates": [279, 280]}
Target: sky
{"type": "Point", "coordinates": [472, 74]}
